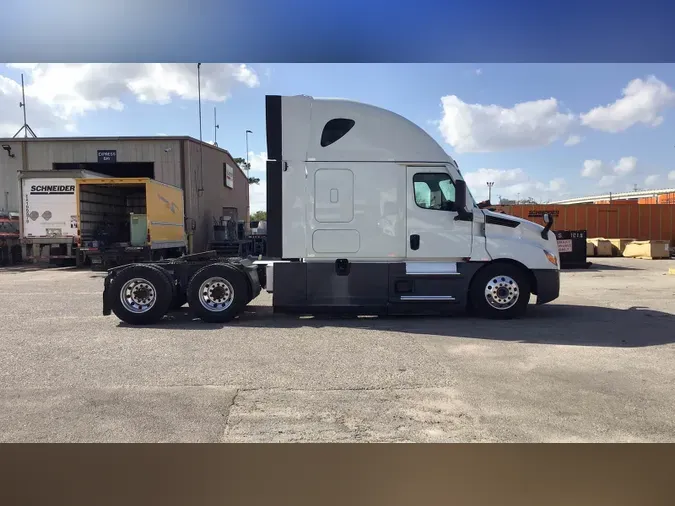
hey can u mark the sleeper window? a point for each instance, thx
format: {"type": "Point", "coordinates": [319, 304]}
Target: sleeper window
{"type": "Point", "coordinates": [335, 130]}
{"type": "Point", "coordinates": [434, 191]}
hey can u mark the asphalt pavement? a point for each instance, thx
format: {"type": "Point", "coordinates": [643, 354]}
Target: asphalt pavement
{"type": "Point", "coordinates": [598, 364]}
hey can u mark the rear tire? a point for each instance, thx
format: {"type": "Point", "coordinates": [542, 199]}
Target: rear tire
{"type": "Point", "coordinates": [500, 291]}
{"type": "Point", "coordinates": [141, 294]}
{"type": "Point", "coordinates": [217, 293]}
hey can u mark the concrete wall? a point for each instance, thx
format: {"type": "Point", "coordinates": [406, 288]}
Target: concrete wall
{"type": "Point", "coordinates": [209, 204]}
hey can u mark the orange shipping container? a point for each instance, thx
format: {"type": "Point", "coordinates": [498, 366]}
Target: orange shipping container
{"type": "Point", "coordinates": [666, 198]}
{"type": "Point", "coordinates": [641, 222]}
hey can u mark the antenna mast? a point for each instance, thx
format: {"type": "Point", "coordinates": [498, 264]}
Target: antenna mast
{"type": "Point", "coordinates": [216, 126]}
{"type": "Point", "coordinates": [26, 127]}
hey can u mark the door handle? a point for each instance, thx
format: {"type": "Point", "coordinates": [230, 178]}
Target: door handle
{"type": "Point", "coordinates": [414, 242]}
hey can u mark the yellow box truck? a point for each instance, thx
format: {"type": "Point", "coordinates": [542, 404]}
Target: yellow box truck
{"type": "Point", "coordinates": [123, 220]}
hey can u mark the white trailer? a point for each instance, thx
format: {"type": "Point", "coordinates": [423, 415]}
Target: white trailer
{"type": "Point", "coordinates": [366, 213]}
{"type": "Point", "coordinates": [49, 214]}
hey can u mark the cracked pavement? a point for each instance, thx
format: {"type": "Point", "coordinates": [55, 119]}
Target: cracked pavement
{"type": "Point", "coordinates": [596, 365]}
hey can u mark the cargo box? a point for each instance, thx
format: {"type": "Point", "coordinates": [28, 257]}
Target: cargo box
{"type": "Point", "coordinates": [647, 249]}
{"type": "Point", "coordinates": [603, 248]}
{"type": "Point", "coordinates": [590, 249]}
{"type": "Point", "coordinates": [618, 245]}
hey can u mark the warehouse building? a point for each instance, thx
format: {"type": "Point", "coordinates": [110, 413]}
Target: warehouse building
{"type": "Point", "coordinates": [213, 183]}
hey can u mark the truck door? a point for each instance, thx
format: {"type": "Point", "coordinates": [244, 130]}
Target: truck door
{"type": "Point", "coordinates": [433, 232]}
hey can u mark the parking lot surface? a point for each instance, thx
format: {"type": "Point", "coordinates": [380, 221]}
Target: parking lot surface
{"type": "Point", "coordinates": [598, 364]}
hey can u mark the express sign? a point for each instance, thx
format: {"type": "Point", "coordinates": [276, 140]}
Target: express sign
{"type": "Point", "coordinates": [109, 156]}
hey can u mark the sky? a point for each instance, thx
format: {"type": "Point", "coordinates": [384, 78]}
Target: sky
{"type": "Point", "coordinates": [545, 131]}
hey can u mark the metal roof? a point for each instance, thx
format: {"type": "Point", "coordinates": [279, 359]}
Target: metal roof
{"type": "Point", "coordinates": [112, 139]}
{"type": "Point", "coordinates": [157, 138]}
{"type": "Point", "coordinates": [615, 196]}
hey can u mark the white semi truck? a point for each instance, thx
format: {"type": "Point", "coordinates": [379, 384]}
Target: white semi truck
{"type": "Point", "coordinates": [366, 214]}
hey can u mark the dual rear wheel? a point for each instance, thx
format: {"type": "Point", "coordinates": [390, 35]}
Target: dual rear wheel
{"type": "Point", "coordinates": [143, 294]}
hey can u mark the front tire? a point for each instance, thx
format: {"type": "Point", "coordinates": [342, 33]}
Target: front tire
{"type": "Point", "coordinates": [141, 294]}
{"type": "Point", "coordinates": [217, 293]}
{"type": "Point", "coordinates": [500, 291]}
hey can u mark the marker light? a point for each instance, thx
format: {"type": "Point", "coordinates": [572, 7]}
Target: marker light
{"type": "Point", "coordinates": [551, 258]}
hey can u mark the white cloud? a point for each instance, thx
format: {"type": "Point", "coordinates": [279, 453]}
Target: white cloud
{"type": "Point", "coordinates": [625, 166]}
{"type": "Point", "coordinates": [40, 117]}
{"type": "Point", "coordinates": [652, 180]}
{"type": "Point", "coordinates": [478, 72]}
{"type": "Point", "coordinates": [671, 175]}
{"type": "Point", "coordinates": [643, 101]}
{"type": "Point", "coordinates": [557, 184]}
{"type": "Point", "coordinates": [74, 89]}
{"type": "Point", "coordinates": [161, 135]}
{"type": "Point", "coordinates": [258, 192]}
{"type": "Point", "coordinates": [481, 128]}
{"type": "Point", "coordinates": [573, 140]}
{"type": "Point", "coordinates": [258, 196]}
{"type": "Point", "coordinates": [512, 183]}
{"type": "Point", "coordinates": [592, 168]}
{"type": "Point", "coordinates": [607, 173]}
{"type": "Point", "coordinates": [258, 162]}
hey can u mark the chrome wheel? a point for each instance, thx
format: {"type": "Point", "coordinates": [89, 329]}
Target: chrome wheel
{"type": "Point", "coordinates": [138, 295]}
{"type": "Point", "coordinates": [216, 294]}
{"type": "Point", "coordinates": [502, 292]}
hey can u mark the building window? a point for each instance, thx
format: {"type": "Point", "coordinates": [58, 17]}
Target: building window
{"type": "Point", "coordinates": [434, 191]}
{"type": "Point", "coordinates": [335, 129]}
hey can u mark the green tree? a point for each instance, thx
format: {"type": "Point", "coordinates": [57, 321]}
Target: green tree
{"type": "Point", "coordinates": [247, 166]}
{"type": "Point", "coordinates": [259, 216]}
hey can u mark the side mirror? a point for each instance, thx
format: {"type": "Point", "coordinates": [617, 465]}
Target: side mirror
{"type": "Point", "coordinates": [460, 195]}
{"type": "Point", "coordinates": [548, 221]}
{"type": "Point", "coordinates": [460, 202]}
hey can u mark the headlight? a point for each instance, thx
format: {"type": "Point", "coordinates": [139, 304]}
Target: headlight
{"type": "Point", "coordinates": [551, 258]}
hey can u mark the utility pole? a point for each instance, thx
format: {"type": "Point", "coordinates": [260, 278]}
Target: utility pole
{"type": "Point", "coordinates": [490, 185]}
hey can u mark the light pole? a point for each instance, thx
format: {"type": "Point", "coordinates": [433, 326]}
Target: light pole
{"type": "Point", "coordinates": [490, 184]}
{"type": "Point", "coordinates": [248, 167]}
{"type": "Point", "coordinates": [247, 132]}
{"type": "Point", "coordinates": [200, 190]}
{"type": "Point", "coordinates": [248, 174]}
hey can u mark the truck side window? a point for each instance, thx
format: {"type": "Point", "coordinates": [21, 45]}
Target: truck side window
{"type": "Point", "coordinates": [434, 191]}
{"type": "Point", "coordinates": [335, 129]}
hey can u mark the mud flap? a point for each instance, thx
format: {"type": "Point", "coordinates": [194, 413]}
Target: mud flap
{"type": "Point", "coordinates": [106, 296]}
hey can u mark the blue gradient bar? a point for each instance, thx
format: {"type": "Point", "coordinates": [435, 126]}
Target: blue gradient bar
{"type": "Point", "coordinates": [337, 31]}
